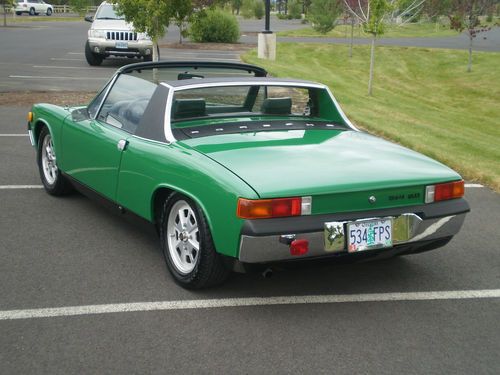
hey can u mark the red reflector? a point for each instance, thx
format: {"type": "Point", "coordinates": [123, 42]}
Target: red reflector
{"type": "Point", "coordinates": [299, 247]}
{"type": "Point", "coordinates": [268, 208]}
{"type": "Point", "coordinates": [449, 190]}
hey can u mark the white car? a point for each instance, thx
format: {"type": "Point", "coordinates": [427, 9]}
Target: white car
{"type": "Point", "coordinates": [33, 7]}
{"type": "Point", "coordinates": [110, 35]}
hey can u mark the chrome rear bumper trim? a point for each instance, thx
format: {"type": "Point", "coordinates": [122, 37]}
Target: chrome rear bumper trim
{"type": "Point", "coordinates": [412, 229]}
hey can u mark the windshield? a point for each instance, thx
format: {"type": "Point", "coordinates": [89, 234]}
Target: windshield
{"type": "Point", "coordinates": [107, 12]}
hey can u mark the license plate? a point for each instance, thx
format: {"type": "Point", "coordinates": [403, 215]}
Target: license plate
{"type": "Point", "coordinates": [369, 234]}
{"type": "Point", "coordinates": [122, 45]}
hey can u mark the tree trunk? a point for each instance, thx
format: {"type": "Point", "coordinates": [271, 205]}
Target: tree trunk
{"type": "Point", "coordinates": [352, 38]}
{"type": "Point", "coordinates": [180, 34]}
{"type": "Point", "coordinates": [469, 66]}
{"type": "Point", "coordinates": [372, 64]}
{"type": "Point", "coordinates": [156, 55]}
{"type": "Point", "coordinates": [4, 16]}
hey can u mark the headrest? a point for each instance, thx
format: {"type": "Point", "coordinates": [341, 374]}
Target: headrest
{"type": "Point", "coordinates": [186, 108]}
{"type": "Point", "coordinates": [276, 106]}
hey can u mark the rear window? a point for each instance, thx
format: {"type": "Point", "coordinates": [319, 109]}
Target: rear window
{"type": "Point", "coordinates": [217, 110]}
{"type": "Point", "coordinates": [241, 100]}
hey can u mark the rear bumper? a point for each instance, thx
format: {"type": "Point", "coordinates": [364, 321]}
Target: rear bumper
{"type": "Point", "coordinates": [413, 226]}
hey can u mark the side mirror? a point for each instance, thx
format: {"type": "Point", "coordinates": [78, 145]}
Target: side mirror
{"type": "Point", "coordinates": [80, 114]}
{"type": "Point", "coordinates": [89, 18]}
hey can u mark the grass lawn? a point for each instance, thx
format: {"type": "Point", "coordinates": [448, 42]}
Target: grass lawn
{"type": "Point", "coordinates": [41, 18]}
{"type": "Point", "coordinates": [392, 31]}
{"type": "Point", "coordinates": [423, 98]}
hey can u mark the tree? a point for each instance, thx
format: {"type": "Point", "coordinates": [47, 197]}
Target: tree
{"type": "Point", "coordinates": [436, 8]}
{"type": "Point", "coordinates": [465, 16]}
{"type": "Point", "coordinates": [236, 5]}
{"type": "Point", "coordinates": [324, 14]}
{"type": "Point", "coordinates": [372, 14]}
{"type": "Point", "coordinates": [183, 10]}
{"type": "Point", "coordinates": [6, 4]}
{"type": "Point", "coordinates": [147, 16]}
{"type": "Point", "coordinates": [350, 4]}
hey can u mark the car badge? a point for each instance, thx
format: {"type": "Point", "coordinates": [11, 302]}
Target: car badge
{"type": "Point", "coordinates": [372, 199]}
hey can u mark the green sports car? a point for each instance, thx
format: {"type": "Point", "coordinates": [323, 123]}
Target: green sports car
{"type": "Point", "coordinates": [235, 168]}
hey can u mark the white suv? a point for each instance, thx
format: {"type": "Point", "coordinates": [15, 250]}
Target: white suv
{"type": "Point", "coordinates": [110, 35]}
{"type": "Point", "coordinates": [33, 7]}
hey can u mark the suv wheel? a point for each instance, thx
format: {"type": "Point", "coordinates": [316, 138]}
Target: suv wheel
{"type": "Point", "coordinates": [32, 11]}
{"type": "Point", "coordinates": [49, 12]}
{"type": "Point", "coordinates": [92, 58]}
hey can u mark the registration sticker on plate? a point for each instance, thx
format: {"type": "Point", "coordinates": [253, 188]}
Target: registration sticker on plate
{"type": "Point", "coordinates": [369, 234]}
{"type": "Point", "coordinates": [122, 45]}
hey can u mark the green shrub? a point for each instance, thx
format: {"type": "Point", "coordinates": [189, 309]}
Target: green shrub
{"type": "Point", "coordinates": [323, 14]}
{"type": "Point", "coordinates": [258, 9]}
{"type": "Point", "coordinates": [294, 9]}
{"type": "Point", "coordinates": [214, 26]}
{"type": "Point", "coordinates": [247, 8]}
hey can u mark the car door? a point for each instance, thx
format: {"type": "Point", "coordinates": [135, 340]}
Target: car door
{"type": "Point", "coordinates": [93, 145]}
{"type": "Point", "coordinates": [37, 5]}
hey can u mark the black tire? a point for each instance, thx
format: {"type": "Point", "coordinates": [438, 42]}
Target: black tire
{"type": "Point", "coordinates": [19, 13]}
{"type": "Point", "coordinates": [148, 57]}
{"type": "Point", "coordinates": [92, 58]}
{"type": "Point", "coordinates": [32, 11]}
{"type": "Point", "coordinates": [49, 12]}
{"type": "Point", "coordinates": [209, 268]}
{"type": "Point", "coordinates": [57, 184]}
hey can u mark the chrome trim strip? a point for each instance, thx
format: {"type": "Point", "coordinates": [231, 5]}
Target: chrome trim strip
{"type": "Point", "coordinates": [149, 140]}
{"type": "Point", "coordinates": [110, 84]}
{"type": "Point", "coordinates": [270, 248]}
{"type": "Point", "coordinates": [254, 82]}
{"type": "Point", "coordinates": [339, 109]}
{"type": "Point", "coordinates": [32, 138]}
{"type": "Point", "coordinates": [169, 136]}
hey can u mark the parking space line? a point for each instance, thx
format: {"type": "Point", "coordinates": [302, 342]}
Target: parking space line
{"type": "Point", "coordinates": [205, 52]}
{"type": "Point", "coordinates": [13, 187]}
{"type": "Point", "coordinates": [75, 78]}
{"type": "Point", "coordinates": [76, 53]}
{"type": "Point", "coordinates": [64, 67]}
{"type": "Point", "coordinates": [473, 186]}
{"type": "Point", "coordinates": [62, 59]}
{"type": "Point", "coordinates": [245, 302]}
{"type": "Point", "coordinates": [199, 58]}
{"type": "Point", "coordinates": [14, 135]}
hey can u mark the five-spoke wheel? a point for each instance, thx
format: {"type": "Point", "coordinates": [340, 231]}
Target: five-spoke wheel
{"type": "Point", "coordinates": [183, 237]}
{"type": "Point", "coordinates": [187, 244]}
{"type": "Point", "coordinates": [53, 181]}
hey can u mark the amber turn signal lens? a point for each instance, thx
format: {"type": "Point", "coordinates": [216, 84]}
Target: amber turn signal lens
{"type": "Point", "coordinates": [268, 208]}
{"type": "Point", "coordinates": [449, 190]}
{"type": "Point", "coordinates": [30, 116]}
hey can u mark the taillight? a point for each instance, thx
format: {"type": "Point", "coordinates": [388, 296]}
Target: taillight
{"type": "Point", "coordinates": [269, 208]}
{"type": "Point", "coordinates": [442, 192]}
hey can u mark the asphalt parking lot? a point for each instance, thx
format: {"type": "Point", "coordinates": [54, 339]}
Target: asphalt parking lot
{"type": "Point", "coordinates": [85, 290]}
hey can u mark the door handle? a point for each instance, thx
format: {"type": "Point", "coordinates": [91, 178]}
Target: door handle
{"type": "Point", "coordinates": [122, 144]}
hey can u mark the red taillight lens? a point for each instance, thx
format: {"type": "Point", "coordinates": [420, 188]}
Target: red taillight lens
{"type": "Point", "coordinates": [268, 208]}
{"type": "Point", "coordinates": [449, 190]}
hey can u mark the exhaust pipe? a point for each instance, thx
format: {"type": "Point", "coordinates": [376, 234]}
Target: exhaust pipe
{"type": "Point", "coordinates": [268, 273]}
